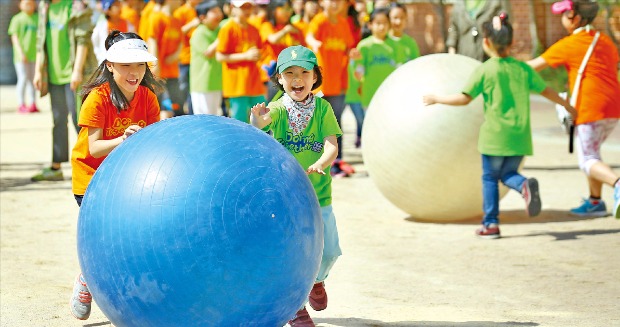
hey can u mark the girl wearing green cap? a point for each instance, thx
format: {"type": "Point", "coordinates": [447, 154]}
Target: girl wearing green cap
{"type": "Point", "coordinates": [307, 127]}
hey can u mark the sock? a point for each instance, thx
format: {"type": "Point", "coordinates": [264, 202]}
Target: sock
{"type": "Point", "coordinates": [595, 200]}
{"type": "Point", "coordinates": [617, 183]}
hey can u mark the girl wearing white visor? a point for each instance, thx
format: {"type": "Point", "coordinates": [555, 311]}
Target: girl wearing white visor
{"type": "Point", "coordinates": [118, 100]}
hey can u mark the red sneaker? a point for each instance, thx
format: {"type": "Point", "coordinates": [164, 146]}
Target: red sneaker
{"type": "Point", "coordinates": [301, 319]}
{"type": "Point", "coordinates": [488, 232]}
{"type": "Point", "coordinates": [33, 108]}
{"type": "Point", "coordinates": [22, 109]}
{"type": "Point", "coordinates": [344, 166]}
{"type": "Point", "coordinates": [318, 297]}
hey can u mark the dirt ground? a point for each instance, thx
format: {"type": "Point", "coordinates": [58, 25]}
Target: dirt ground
{"type": "Point", "coordinates": [552, 270]}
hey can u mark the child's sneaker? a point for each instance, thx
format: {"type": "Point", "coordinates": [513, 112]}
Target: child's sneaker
{"type": "Point", "coordinates": [22, 109]}
{"type": "Point", "coordinates": [588, 209]}
{"type": "Point", "coordinates": [48, 174]}
{"type": "Point", "coordinates": [488, 232]}
{"type": "Point", "coordinates": [531, 196]}
{"type": "Point", "coordinates": [344, 166]}
{"type": "Point", "coordinates": [617, 202]}
{"type": "Point", "coordinates": [33, 108]}
{"type": "Point", "coordinates": [81, 299]}
{"type": "Point", "coordinates": [301, 319]}
{"type": "Point", "coordinates": [336, 172]}
{"type": "Point", "coordinates": [318, 297]}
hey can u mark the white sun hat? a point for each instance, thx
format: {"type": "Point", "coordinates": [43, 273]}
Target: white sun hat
{"type": "Point", "coordinates": [239, 3]}
{"type": "Point", "coordinates": [129, 51]}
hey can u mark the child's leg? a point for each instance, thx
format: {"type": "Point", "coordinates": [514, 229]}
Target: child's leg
{"type": "Point", "coordinates": [359, 114]}
{"type": "Point", "coordinates": [491, 170]}
{"type": "Point", "coordinates": [30, 68]}
{"type": "Point", "coordinates": [214, 102]}
{"type": "Point", "coordinates": [240, 109]}
{"type": "Point", "coordinates": [199, 103]}
{"type": "Point", "coordinates": [20, 70]}
{"type": "Point", "coordinates": [331, 243]}
{"type": "Point", "coordinates": [509, 174]}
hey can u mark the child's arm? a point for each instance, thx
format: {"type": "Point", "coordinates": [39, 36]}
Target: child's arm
{"type": "Point", "coordinates": [18, 47]}
{"type": "Point", "coordinates": [274, 38]}
{"type": "Point", "coordinates": [538, 63]}
{"type": "Point", "coordinates": [78, 67]}
{"type": "Point", "coordinates": [253, 54]}
{"type": "Point", "coordinates": [210, 53]}
{"type": "Point", "coordinates": [460, 99]}
{"type": "Point", "coordinates": [550, 94]}
{"type": "Point", "coordinates": [260, 116]}
{"type": "Point", "coordinates": [153, 49]}
{"type": "Point", "coordinates": [98, 147]}
{"type": "Point", "coordinates": [330, 152]}
{"type": "Point", "coordinates": [312, 42]}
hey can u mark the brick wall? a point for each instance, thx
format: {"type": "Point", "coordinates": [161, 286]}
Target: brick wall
{"type": "Point", "coordinates": [426, 18]}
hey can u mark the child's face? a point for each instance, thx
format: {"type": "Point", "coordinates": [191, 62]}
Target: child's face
{"type": "Point", "coordinates": [398, 19]}
{"type": "Point", "coordinates": [213, 17]}
{"type": "Point", "coordinates": [115, 10]}
{"type": "Point", "coordinates": [570, 21]}
{"type": "Point", "coordinates": [244, 12]}
{"type": "Point", "coordinates": [127, 76]}
{"type": "Point", "coordinates": [311, 8]}
{"type": "Point", "coordinates": [297, 82]}
{"type": "Point", "coordinates": [380, 26]}
{"type": "Point", "coordinates": [333, 7]}
{"type": "Point", "coordinates": [283, 14]}
{"type": "Point", "coordinates": [27, 6]}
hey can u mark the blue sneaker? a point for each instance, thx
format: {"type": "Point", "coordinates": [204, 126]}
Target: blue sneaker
{"type": "Point", "coordinates": [587, 209]}
{"type": "Point", "coordinates": [617, 202]}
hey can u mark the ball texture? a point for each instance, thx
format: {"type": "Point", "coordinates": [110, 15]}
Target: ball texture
{"type": "Point", "coordinates": [424, 159]}
{"type": "Point", "coordinates": [200, 221]}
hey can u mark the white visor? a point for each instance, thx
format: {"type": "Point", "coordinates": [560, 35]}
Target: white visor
{"type": "Point", "coordinates": [129, 51]}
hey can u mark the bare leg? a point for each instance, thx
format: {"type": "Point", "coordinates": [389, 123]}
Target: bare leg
{"type": "Point", "coordinates": [600, 173]}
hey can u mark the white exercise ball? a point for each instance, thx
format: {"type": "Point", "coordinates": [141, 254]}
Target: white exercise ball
{"type": "Point", "coordinates": [425, 159]}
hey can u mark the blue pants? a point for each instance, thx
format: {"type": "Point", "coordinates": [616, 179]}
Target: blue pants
{"type": "Point", "coordinates": [331, 243]}
{"type": "Point", "coordinates": [240, 106]}
{"type": "Point", "coordinates": [359, 114]}
{"type": "Point", "coordinates": [494, 169]}
{"type": "Point", "coordinates": [337, 103]}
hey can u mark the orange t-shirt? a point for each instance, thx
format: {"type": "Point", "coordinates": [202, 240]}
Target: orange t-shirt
{"type": "Point", "coordinates": [185, 14]}
{"type": "Point", "coordinates": [131, 15]}
{"type": "Point", "coordinates": [333, 55]}
{"type": "Point", "coordinates": [302, 27]}
{"type": "Point", "coordinates": [241, 78]}
{"type": "Point", "coordinates": [166, 30]}
{"type": "Point", "coordinates": [121, 25]}
{"type": "Point", "coordinates": [99, 112]}
{"type": "Point", "coordinates": [145, 22]}
{"type": "Point", "coordinates": [599, 94]}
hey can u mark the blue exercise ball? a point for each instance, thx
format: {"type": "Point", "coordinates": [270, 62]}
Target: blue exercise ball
{"type": "Point", "coordinates": [200, 221]}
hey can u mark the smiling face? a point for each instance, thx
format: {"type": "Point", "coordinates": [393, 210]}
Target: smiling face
{"type": "Point", "coordinates": [398, 20]}
{"type": "Point", "coordinates": [297, 82]}
{"type": "Point", "coordinates": [379, 26]}
{"type": "Point", "coordinates": [127, 76]}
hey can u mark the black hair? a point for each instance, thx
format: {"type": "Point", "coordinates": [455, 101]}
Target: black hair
{"type": "Point", "coordinates": [499, 35]}
{"type": "Point", "coordinates": [398, 5]}
{"type": "Point", "coordinates": [204, 7]}
{"type": "Point", "coordinates": [587, 9]}
{"type": "Point", "coordinates": [317, 71]}
{"type": "Point", "coordinates": [102, 75]}
{"type": "Point", "coordinates": [271, 11]}
{"type": "Point", "coordinates": [366, 32]}
{"type": "Point", "coordinates": [352, 12]}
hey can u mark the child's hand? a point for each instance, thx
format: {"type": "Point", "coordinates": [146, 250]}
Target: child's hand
{"type": "Point", "coordinates": [355, 54]}
{"type": "Point", "coordinates": [315, 168]}
{"type": "Point", "coordinates": [429, 99]}
{"type": "Point", "coordinates": [259, 110]}
{"type": "Point", "coordinates": [130, 131]}
{"type": "Point", "coordinates": [253, 54]}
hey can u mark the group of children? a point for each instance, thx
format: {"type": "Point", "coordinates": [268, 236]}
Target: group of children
{"type": "Point", "coordinates": [120, 99]}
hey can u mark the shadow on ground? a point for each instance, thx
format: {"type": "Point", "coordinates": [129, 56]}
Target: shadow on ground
{"type": "Point", "coordinates": [513, 217]}
{"type": "Point", "coordinates": [358, 322]}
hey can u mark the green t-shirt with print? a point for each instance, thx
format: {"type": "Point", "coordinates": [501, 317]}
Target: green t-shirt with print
{"type": "Point", "coordinates": [505, 85]}
{"type": "Point", "coordinates": [205, 74]}
{"type": "Point", "coordinates": [379, 59]}
{"type": "Point", "coordinates": [24, 26]}
{"type": "Point", "coordinates": [352, 95]}
{"type": "Point", "coordinates": [410, 46]}
{"type": "Point", "coordinates": [307, 147]}
{"type": "Point", "coordinates": [57, 43]}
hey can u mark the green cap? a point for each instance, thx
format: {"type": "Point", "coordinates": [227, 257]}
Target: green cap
{"type": "Point", "coordinates": [296, 56]}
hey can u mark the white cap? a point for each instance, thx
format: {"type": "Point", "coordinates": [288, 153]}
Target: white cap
{"type": "Point", "coordinates": [129, 51]}
{"type": "Point", "coordinates": [239, 3]}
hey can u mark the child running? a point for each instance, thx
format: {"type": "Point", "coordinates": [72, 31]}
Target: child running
{"type": "Point", "coordinates": [310, 121]}
{"type": "Point", "coordinates": [119, 100]}
{"type": "Point", "coordinates": [597, 99]}
{"type": "Point", "coordinates": [505, 135]}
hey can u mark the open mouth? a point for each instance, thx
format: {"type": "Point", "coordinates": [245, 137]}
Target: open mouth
{"type": "Point", "coordinates": [132, 81]}
{"type": "Point", "coordinates": [297, 89]}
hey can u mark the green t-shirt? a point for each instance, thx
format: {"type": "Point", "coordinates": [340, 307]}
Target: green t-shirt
{"type": "Point", "coordinates": [24, 26]}
{"type": "Point", "coordinates": [57, 42]}
{"type": "Point", "coordinates": [379, 59]}
{"type": "Point", "coordinates": [205, 74]}
{"type": "Point", "coordinates": [410, 46]}
{"type": "Point", "coordinates": [307, 147]}
{"type": "Point", "coordinates": [505, 84]}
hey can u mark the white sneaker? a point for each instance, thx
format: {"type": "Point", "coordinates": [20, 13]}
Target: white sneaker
{"type": "Point", "coordinates": [80, 299]}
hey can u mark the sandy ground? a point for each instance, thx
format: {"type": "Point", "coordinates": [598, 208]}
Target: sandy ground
{"type": "Point", "coordinates": [552, 270]}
